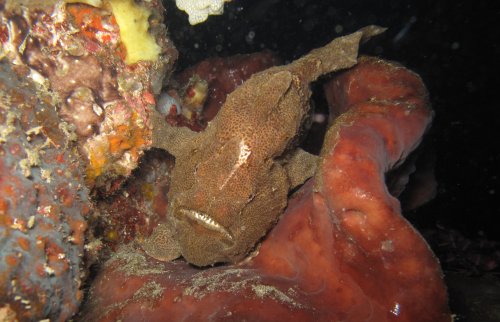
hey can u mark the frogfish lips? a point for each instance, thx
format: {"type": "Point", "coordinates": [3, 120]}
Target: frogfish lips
{"type": "Point", "coordinates": [202, 239]}
{"type": "Point", "coordinates": [204, 220]}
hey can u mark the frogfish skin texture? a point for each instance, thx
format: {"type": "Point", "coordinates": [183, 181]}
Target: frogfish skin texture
{"type": "Point", "coordinates": [230, 182]}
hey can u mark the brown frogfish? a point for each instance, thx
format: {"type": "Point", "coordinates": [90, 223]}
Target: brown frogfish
{"type": "Point", "coordinates": [231, 182]}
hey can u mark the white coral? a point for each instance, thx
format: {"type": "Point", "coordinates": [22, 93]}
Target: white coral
{"type": "Point", "coordinates": [199, 10]}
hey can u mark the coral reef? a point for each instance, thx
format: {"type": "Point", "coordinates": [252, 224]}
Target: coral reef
{"type": "Point", "coordinates": [43, 207]}
{"type": "Point", "coordinates": [78, 120]}
{"type": "Point", "coordinates": [103, 66]}
{"type": "Point", "coordinates": [341, 251]}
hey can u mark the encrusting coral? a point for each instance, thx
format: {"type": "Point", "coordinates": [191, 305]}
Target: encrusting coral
{"type": "Point", "coordinates": [44, 207]}
{"type": "Point", "coordinates": [103, 62]}
{"type": "Point", "coordinates": [78, 121]}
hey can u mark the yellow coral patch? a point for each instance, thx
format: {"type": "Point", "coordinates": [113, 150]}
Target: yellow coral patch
{"type": "Point", "coordinates": [133, 22]}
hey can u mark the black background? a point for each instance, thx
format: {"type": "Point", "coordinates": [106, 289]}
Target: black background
{"type": "Point", "coordinates": [453, 45]}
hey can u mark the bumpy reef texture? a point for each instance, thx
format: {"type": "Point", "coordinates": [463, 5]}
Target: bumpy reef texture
{"type": "Point", "coordinates": [43, 207]}
{"type": "Point", "coordinates": [91, 71]}
{"type": "Point", "coordinates": [342, 250]}
{"type": "Point", "coordinates": [103, 65]}
{"type": "Point", "coordinates": [231, 181]}
{"type": "Point", "coordinates": [141, 203]}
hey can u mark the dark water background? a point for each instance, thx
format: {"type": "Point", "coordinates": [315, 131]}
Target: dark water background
{"type": "Point", "coordinates": [453, 45]}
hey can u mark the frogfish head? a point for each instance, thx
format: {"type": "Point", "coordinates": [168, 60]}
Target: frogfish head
{"type": "Point", "coordinates": [219, 226]}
